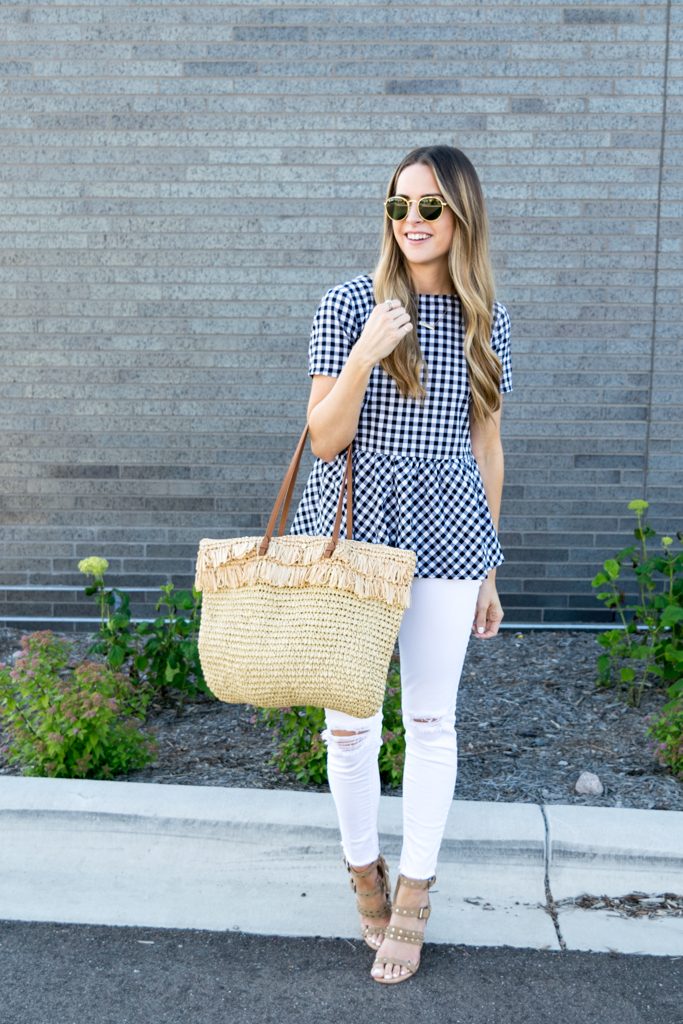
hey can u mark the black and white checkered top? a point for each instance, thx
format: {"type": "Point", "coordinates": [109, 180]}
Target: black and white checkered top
{"type": "Point", "coordinates": [416, 483]}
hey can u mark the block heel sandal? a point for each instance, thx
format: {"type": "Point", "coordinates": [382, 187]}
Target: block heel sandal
{"type": "Point", "coordinates": [373, 935]}
{"type": "Point", "coordinates": [414, 937]}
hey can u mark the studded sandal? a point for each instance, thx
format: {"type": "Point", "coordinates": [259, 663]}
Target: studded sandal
{"type": "Point", "coordinates": [416, 938]}
{"type": "Point", "coordinates": [372, 934]}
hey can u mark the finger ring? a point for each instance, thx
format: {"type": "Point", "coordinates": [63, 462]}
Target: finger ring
{"type": "Point", "coordinates": [388, 303]}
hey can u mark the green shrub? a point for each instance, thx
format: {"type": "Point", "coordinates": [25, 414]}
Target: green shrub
{"type": "Point", "coordinates": [667, 731]}
{"type": "Point", "coordinates": [165, 650]}
{"type": "Point", "coordinates": [649, 647]}
{"type": "Point", "coordinates": [301, 751]}
{"type": "Point", "coordinates": [80, 724]}
{"type": "Point", "coordinates": [300, 748]}
{"type": "Point", "coordinates": [648, 650]}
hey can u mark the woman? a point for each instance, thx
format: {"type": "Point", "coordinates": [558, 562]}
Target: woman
{"type": "Point", "coordinates": [427, 476]}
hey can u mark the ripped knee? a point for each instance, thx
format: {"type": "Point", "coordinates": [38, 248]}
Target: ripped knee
{"type": "Point", "coordinates": [429, 726]}
{"type": "Point", "coordinates": [354, 739]}
{"type": "Point", "coordinates": [348, 739]}
{"type": "Point", "coordinates": [434, 721]}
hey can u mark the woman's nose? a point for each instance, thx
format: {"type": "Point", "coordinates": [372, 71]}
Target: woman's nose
{"type": "Point", "coordinates": [414, 215]}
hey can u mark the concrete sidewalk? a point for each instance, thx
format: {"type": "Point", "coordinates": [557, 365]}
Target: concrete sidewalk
{"type": "Point", "coordinates": [269, 861]}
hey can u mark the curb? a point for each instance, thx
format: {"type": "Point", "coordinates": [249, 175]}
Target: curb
{"type": "Point", "coordinates": [146, 854]}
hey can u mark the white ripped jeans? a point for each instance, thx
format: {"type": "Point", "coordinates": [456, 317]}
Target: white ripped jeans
{"type": "Point", "coordinates": [433, 639]}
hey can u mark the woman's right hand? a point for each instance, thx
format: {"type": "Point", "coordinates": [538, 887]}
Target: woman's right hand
{"type": "Point", "coordinates": [383, 330]}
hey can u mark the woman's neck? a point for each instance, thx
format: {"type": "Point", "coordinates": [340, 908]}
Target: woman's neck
{"type": "Point", "coordinates": [431, 283]}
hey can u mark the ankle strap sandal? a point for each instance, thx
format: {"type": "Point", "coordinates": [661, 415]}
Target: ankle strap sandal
{"type": "Point", "coordinates": [413, 936]}
{"type": "Point", "coordinates": [366, 902]}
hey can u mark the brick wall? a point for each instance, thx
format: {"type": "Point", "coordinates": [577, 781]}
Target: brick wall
{"type": "Point", "coordinates": [179, 185]}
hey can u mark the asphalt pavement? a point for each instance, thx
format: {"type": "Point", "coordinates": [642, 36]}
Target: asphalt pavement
{"type": "Point", "coordinates": [90, 974]}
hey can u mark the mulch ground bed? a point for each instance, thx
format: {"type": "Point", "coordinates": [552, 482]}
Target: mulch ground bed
{"type": "Point", "coordinates": [530, 719]}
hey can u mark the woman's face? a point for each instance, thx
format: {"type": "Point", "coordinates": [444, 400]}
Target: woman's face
{"type": "Point", "coordinates": [413, 182]}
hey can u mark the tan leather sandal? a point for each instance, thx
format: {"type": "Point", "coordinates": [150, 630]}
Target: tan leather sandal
{"type": "Point", "coordinates": [416, 938]}
{"type": "Point", "coordinates": [372, 934]}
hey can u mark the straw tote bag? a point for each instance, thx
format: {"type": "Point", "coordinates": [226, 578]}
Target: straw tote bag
{"type": "Point", "coordinates": [298, 620]}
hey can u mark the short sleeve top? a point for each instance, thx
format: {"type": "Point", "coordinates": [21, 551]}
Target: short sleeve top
{"type": "Point", "coordinates": [416, 483]}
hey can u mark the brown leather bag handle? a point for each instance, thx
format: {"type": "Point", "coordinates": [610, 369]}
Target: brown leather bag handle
{"type": "Point", "coordinates": [287, 488]}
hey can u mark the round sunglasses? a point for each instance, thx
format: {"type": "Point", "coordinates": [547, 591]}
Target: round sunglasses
{"type": "Point", "coordinates": [429, 207]}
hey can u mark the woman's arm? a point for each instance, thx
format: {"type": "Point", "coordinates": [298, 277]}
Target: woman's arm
{"type": "Point", "coordinates": [487, 449]}
{"type": "Point", "coordinates": [334, 406]}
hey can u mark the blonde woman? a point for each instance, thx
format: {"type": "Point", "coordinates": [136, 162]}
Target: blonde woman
{"type": "Point", "coordinates": [408, 366]}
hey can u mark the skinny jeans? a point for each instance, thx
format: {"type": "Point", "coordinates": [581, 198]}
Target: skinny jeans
{"type": "Point", "coordinates": [433, 639]}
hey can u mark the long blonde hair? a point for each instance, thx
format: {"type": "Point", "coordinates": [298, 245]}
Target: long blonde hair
{"type": "Point", "coordinates": [469, 266]}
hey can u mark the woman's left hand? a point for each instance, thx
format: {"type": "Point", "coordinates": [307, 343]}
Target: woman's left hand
{"type": "Point", "coordinates": [489, 613]}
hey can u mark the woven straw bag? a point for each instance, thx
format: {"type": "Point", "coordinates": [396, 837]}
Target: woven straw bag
{"type": "Point", "coordinates": [298, 620]}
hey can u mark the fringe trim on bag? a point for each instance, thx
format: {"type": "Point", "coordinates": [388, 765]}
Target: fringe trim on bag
{"type": "Point", "coordinates": [356, 567]}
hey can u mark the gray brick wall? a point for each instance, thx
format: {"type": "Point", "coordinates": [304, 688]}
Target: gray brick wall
{"type": "Point", "coordinates": [180, 183]}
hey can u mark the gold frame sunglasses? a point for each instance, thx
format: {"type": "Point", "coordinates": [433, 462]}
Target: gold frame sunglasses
{"type": "Point", "coordinates": [430, 208]}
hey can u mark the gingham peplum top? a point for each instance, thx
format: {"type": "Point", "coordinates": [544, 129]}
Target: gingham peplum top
{"type": "Point", "coordinates": [416, 483]}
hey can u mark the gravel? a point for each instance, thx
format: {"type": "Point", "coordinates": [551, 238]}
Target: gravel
{"type": "Point", "coordinates": [530, 720]}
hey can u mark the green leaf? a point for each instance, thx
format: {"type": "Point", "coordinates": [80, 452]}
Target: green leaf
{"type": "Point", "coordinates": [170, 673]}
{"type": "Point", "coordinates": [627, 675]}
{"type": "Point", "coordinates": [116, 655]}
{"type": "Point", "coordinates": [612, 568]}
{"type": "Point", "coordinates": [640, 651]}
{"type": "Point", "coordinates": [672, 615]}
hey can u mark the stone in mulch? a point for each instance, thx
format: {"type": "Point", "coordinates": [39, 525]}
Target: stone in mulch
{"type": "Point", "coordinates": [530, 721]}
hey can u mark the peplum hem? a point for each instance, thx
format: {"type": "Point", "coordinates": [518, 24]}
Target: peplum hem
{"type": "Point", "coordinates": [434, 507]}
